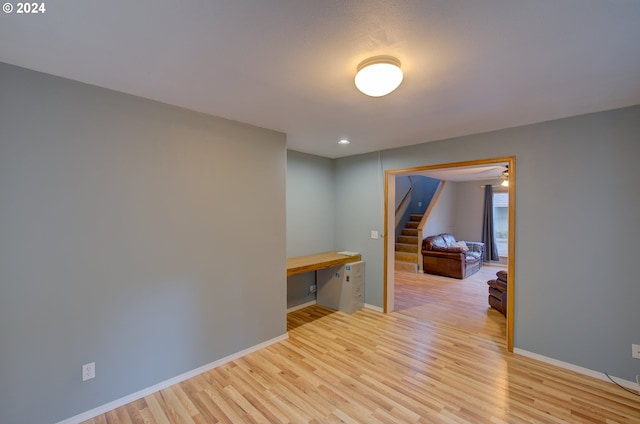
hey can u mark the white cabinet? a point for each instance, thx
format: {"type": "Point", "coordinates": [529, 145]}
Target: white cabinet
{"type": "Point", "coordinates": [342, 287]}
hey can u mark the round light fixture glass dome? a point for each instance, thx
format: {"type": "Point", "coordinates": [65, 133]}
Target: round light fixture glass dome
{"type": "Point", "coordinates": [379, 75]}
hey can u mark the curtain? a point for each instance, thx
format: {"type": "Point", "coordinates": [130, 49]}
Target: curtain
{"type": "Point", "coordinates": [488, 238]}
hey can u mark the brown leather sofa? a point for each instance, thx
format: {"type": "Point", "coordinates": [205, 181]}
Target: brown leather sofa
{"type": "Point", "coordinates": [442, 255]}
{"type": "Point", "coordinates": [498, 292]}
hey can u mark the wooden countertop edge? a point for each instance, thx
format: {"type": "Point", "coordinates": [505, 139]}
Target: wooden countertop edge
{"type": "Point", "coordinates": [318, 261]}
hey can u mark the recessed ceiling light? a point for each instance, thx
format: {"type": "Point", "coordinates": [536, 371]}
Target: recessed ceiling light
{"type": "Point", "coordinates": [344, 141]}
{"type": "Point", "coordinates": [379, 75]}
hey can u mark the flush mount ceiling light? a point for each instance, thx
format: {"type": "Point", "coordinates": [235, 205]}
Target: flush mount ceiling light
{"type": "Point", "coordinates": [379, 75]}
{"type": "Point", "coordinates": [344, 141]}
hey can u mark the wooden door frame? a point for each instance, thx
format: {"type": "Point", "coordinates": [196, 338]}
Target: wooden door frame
{"type": "Point", "coordinates": [389, 267]}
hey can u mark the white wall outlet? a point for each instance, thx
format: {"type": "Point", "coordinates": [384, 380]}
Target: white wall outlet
{"type": "Point", "coordinates": [312, 288]}
{"type": "Point", "coordinates": [635, 351]}
{"type": "Point", "coordinates": [88, 371]}
{"type": "Point", "coordinates": [374, 234]}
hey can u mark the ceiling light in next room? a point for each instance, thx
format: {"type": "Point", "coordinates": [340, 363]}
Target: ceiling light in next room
{"type": "Point", "coordinates": [344, 141]}
{"type": "Point", "coordinates": [505, 177]}
{"type": "Point", "coordinates": [379, 75]}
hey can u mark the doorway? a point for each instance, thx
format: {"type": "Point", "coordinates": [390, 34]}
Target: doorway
{"type": "Point", "coordinates": [389, 229]}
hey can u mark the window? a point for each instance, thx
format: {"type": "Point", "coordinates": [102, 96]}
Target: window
{"type": "Point", "coordinates": [501, 221]}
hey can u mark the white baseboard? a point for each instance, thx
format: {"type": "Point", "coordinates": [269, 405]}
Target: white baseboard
{"type": "Point", "coordinates": [373, 307]}
{"type": "Point", "coordinates": [167, 383]}
{"type": "Point", "coordinates": [571, 367]}
{"type": "Point", "coordinates": [304, 305]}
{"type": "Point", "coordinates": [313, 302]}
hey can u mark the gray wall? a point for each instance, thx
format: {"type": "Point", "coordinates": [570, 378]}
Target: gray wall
{"type": "Point", "coordinates": [359, 208]}
{"type": "Point", "coordinates": [442, 218]}
{"type": "Point", "coordinates": [144, 237]}
{"type": "Point", "coordinates": [577, 233]}
{"type": "Point", "coordinates": [310, 221]}
{"type": "Point", "coordinates": [403, 184]}
{"type": "Point", "coordinates": [310, 199]}
{"type": "Point", "coordinates": [423, 190]}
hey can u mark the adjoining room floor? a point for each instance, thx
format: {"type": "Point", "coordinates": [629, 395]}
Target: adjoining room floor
{"type": "Point", "coordinates": [459, 303]}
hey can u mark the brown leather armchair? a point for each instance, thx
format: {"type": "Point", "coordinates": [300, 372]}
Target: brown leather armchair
{"type": "Point", "coordinates": [498, 292]}
{"type": "Point", "coordinates": [442, 255]}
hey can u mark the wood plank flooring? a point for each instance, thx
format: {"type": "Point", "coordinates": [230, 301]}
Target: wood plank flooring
{"type": "Point", "coordinates": [460, 303]}
{"type": "Point", "coordinates": [435, 360]}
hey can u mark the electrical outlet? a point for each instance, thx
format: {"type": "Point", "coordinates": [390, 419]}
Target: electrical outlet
{"type": "Point", "coordinates": [635, 351]}
{"type": "Point", "coordinates": [88, 371]}
{"type": "Point", "coordinates": [312, 288]}
{"type": "Point", "coordinates": [374, 234]}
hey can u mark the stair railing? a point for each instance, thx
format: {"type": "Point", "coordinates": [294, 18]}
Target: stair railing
{"type": "Point", "coordinates": [402, 207]}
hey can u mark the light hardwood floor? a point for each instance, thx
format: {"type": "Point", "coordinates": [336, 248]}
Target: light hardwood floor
{"type": "Point", "coordinates": [440, 358]}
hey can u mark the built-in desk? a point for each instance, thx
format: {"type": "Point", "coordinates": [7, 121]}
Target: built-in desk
{"type": "Point", "coordinates": [309, 263]}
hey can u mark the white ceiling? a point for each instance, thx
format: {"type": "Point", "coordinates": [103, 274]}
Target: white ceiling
{"type": "Point", "coordinates": [467, 173]}
{"type": "Point", "coordinates": [470, 66]}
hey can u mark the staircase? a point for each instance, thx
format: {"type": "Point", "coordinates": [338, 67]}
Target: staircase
{"type": "Point", "coordinates": [407, 246]}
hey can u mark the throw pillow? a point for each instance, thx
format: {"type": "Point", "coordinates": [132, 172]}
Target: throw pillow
{"type": "Point", "coordinates": [461, 244]}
